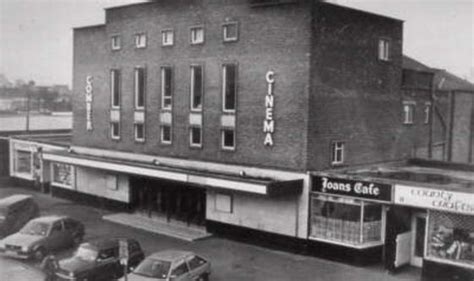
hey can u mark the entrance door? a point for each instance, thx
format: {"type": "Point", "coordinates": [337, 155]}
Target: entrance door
{"type": "Point", "coordinates": [418, 226]}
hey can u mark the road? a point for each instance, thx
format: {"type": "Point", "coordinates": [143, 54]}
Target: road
{"type": "Point", "coordinates": [231, 260]}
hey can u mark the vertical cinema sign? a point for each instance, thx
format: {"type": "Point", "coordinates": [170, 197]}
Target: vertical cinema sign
{"type": "Point", "coordinates": [269, 123]}
{"type": "Point", "coordinates": [88, 89]}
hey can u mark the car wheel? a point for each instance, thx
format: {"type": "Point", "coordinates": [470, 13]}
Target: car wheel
{"type": "Point", "coordinates": [39, 254]}
{"type": "Point", "coordinates": [204, 277]}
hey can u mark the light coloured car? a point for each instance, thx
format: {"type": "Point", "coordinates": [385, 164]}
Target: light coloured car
{"type": "Point", "coordinates": [172, 265]}
{"type": "Point", "coordinates": [43, 235]}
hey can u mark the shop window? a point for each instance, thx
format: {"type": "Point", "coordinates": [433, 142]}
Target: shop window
{"type": "Point", "coordinates": [427, 113]}
{"type": "Point", "coordinates": [115, 130]}
{"type": "Point", "coordinates": [197, 35]}
{"type": "Point", "coordinates": [451, 238]}
{"type": "Point", "coordinates": [139, 87]}
{"type": "Point", "coordinates": [166, 134]}
{"type": "Point", "coordinates": [116, 42]}
{"type": "Point", "coordinates": [337, 156]}
{"type": "Point", "coordinates": [115, 88]}
{"type": "Point", "coordinates": [62, 175]}
{"type": "Point", "coordinates": [167, 37]}
{"type": "Point", "coordinates": [140, 40]}
{"type": "Point", "coordinates": [166, 87]}
{"type": "Point", "coordinates": [229, 87]}
{"type": "Point", "coordinates": [196, 87]}
{"type": "Point", "coordinates": [408, 113]}
{"type": "Point", "coordinates": [139, 132]}
{"type": "Point", "coordinates": [223, 203]}
{"type": "Point", "coordinates": [346, 221]}
{"type": "Point", "coordinates": [228, 139]}
{"type": "Point", "coordinates": [23, 162]}
{"type": "Point", "coordinates": [384, 49]}
{"type": "Point", "coordinates": [196, 137]}
{"type": "Point", "coordinates": [230, 31]}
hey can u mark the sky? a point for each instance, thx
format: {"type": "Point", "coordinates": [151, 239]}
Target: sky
{"type": "Point", "coordinates": [36, 35]}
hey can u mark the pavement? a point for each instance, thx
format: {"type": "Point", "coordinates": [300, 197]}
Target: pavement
{"type": "Point", "coordinates": [230, 260]}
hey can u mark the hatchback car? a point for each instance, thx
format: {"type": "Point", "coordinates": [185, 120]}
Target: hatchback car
{"type": "Point", "coordinates": [99, 260]}
{"type": "Point", "coordinates": [172, 265]}
{"type": "Point", "coordinates": [43, 235]}
{"type": "Point", "coordinates": [15, 212]}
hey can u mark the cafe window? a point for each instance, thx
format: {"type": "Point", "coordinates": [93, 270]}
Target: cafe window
{"type": "Point", "coordinates": [450, 238]}
{"type": "Point", "coordinates": [346, 221]}
{"type": "Point", "coordinates": [23, 162]}
{"type": "Point", "coordinates": [62, 175]}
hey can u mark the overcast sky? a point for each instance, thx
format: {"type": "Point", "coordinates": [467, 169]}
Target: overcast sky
{"type": "Point", "coordinates": [36, 35]}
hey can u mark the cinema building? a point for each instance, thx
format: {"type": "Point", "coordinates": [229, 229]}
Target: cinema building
{"type": "Point", "coordinates": [245, 118]}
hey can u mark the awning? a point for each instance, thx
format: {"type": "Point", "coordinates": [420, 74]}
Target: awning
{"type": "Point", "coordinates": [211, 179]}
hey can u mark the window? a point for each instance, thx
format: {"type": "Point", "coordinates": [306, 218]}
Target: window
{"type": "Point", "coordinates": [196, 136]}
{"type": "Point", "coordinates": [345, 220]}
{"type": "Point", "coordinates": [230, 31]}
{"type": "Point", "coordinates": [166, 134]}
{"type": "Point", "coordinates": [229, 87]}
{"type": "Point", "coordinates": [107, 253]}
{"type": "Point", "coordinates": [228, 139]}
{"type": "Point", "coordinates": [57, 227]}
{"type": "Point", "coordinates": [197, 35]}
{"type": "Point", "coordinates": [140, 40]}
{"type": "Point", "coordinates": [195, 262]}
{"type": "Point", "coordinates": [167, 37]}
{"type": "Point", "coordinates": [115, 130]}
{"type": "Point", "coordinates": [196, 87]}
{"type": "Point", "coordinates": [384, 49]}
{"type": "Point", "coordinates": [337, 153]}
{"type": "Point", "coordinates": [115, 88]}
{"type": "Point", "coordinates": [450, 238]}
{"type": "Point", "coordinates": [139, 132]}
{"type": "Point", "coordinates": [116, 42]}
{"type": "Point", "coordinates": [223, 203]}
{"type": "Point", "coordinates": [180, 270]}
{"type": "Point", "coordinates": [166, 87]}
{"type": "Point", "coordinates": [62, 175]}
{"type": "Point", "coordinates": [139, 84]}
{"type": "Point", "coordinates": [408, 112]}
{"type": "Point", "coordinates": [23, 162]}
{"type": "Point", "coordinates": [427, 113]}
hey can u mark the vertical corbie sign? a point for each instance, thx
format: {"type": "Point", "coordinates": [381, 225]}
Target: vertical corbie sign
{"type": "Point", "coordinates": [269, 123]}
{"type": "Point", "coordinates": [89, 102]}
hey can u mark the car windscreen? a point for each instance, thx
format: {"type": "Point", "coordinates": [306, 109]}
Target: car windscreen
{"type": "Point", "coordinates": [86, 253]}
{"type": "Point", "coordinates": [35, 228]}
{"type": "Point", "coordinates": [153, 268]}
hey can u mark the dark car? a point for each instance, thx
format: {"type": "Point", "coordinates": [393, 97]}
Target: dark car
{"type": "Point", "coordinates": [43, 235]}
{"type": "Point", "coordinates": [99, 260]}
{"type": "Point", "coordinates": [15, 212]}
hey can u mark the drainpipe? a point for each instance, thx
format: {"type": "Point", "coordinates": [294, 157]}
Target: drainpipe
{"type": "Point", "coordinates": [431, 115]}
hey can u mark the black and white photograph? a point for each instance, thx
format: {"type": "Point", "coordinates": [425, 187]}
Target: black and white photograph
{"type": "Point", "coordinates": [231, 140]}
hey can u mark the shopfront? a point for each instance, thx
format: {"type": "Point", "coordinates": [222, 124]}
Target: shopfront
{"type": "Point", "coordinates": [443, 235]}
{"type": "Point", "coordinates": [349, 213]}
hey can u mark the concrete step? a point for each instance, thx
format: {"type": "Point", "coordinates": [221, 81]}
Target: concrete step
{"type": "Point", "coordinates": [159, 225]}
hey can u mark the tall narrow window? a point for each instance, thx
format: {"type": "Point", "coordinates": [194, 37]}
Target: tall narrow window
{"type": "Point", "coordinates": [115, 87]}
{"type": "Point", "coordinates": [139, 132]}
{"type": "Point", "coordinates": [196, 87]}
{"type": "Point", "coordinates": [166, 134]}
{"type": "Point", "coordinates": [139, 84]}
{"type": "Point", "coordinates": [230, 31]}
{"type": "Point", "coordinates": [384, 49]}
{"type": "Point", "coordinates": [140, 40]}
{"type": "Point", "coordinates": [115, 130]}
{"type": "Point", "coordinates": [427, 113]}
{"type": "Point", "coordinates": [337, 153]}
{"type": "Point", "coordinates": [229, 87]}
{"type": "Point", "coordinates": [408, 112]}
{"type": "Point", "coordinates": [195, 137]}
{"type": "Point", "coordinates": [228, 139]}
{"type": "Point", "coordinates": [167, 37]}
{"type": "Point", "coordinates": [166, 87]}
{"type": "Point", "coordinates": [197, 35]}
{"type": "Point", "coordinates": [116, 42]}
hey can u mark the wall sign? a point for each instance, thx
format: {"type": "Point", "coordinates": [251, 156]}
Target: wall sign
{"type": "Point", "coordinates": [88, 89]}
{"type": "Point", "coordinates": [269, 123]}
{"type": "Point", "coordinates": [353, 188]}
{"type": "Point", "coordinates": [437, 199]}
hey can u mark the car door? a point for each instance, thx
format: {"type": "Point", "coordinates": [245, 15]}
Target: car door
{"type": "Point", "coordinates": [180, 272]}
{"type": "Point", "coordinates": [107, 263]}
{"type": "Point", "coordinates": [71, 228]}
{"type": "Point", "coordinates": [196, 266]}
{"type": "Point", "coordinates": [57, 237]}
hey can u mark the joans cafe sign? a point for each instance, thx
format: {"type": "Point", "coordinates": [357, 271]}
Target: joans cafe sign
{"type": "Point", "coordinates": [352, 188]}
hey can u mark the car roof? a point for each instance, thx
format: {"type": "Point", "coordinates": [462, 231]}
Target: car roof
{"type": "Point", "coordinates": [49, 219]}
{"type": "Point", "coordinates": [171, 255]}
{"type": "Point", "coordinates": [105, 242]}
{"type": "Point", "coordinates": [13, 199]}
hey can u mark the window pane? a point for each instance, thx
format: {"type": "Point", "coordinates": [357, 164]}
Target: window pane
{"type": "Point", "coordinates": [228, 138]}
{"type": "Point", "coordinates": [166, 133]}
{"type": "Point", "coordinates": [196, 87]}
{"type": "Point", "coordinates": [229, 86]}
{"type": "Point", "coordinates": [115, 87]}
{"type": "Point", "coordinates": [139, 132]}
{"type": "Point", "coordinates": [140, 87]}
{"type": "Point", "coordinates": [230, 31]}
{"type": "Point", "coordinates": [166, 80]}
{"type": "Point", "coordinates": [62, 174]}
{"type": "Point", "coordinates": [23, 161]}
{"type": "Point", "coordinates": [196, 136]}
{"type": "Point", "coordinates": [115, 128]}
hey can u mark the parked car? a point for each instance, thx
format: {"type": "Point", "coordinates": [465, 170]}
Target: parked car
{"type": "Point", "coordinates": [11, 269]}
{"type": "Point", "coordinates": [43, 235]}
{"type": "Point", "coordinates": [15, 212]}
{"type": "Point", "coordinates": [172, 265]}
{"type": "Point", "coordinates": [99, 260]}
